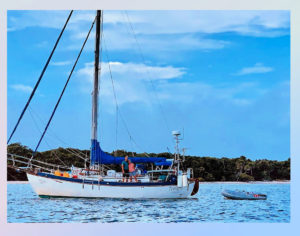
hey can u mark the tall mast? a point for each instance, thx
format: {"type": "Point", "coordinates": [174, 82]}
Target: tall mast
{"type": "Point", "coordinates": [96, 74]}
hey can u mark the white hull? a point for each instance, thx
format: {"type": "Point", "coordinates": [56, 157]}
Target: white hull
{"type": "Point", "coordinates": [44, 186]}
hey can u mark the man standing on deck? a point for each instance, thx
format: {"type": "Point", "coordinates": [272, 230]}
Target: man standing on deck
{"type": "Point", "coordinates": [125, 170]}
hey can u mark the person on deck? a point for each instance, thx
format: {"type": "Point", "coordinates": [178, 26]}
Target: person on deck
{"type": "Point", "coordinates": [132, 171]}
{"type": "Point", "coordinates": [125, 169]}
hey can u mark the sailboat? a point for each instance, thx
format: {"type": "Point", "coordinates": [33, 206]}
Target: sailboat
{"type": "Point", "coordinates": [167, 180]}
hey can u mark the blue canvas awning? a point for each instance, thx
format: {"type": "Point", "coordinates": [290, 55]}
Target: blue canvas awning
{"type": "Point", "coordinates": [163, 163]}
{"type": "Point", "coordinates": [100, 157]}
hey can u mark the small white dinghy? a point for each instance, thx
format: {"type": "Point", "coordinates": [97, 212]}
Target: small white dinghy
{"type": "Point", "coordinates": [243, 195]}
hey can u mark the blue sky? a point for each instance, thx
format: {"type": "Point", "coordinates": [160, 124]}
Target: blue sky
{"type": "Point", "coordinates": [222, 76]}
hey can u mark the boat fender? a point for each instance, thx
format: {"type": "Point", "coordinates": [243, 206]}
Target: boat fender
{"type": "Point", "coordinates": [184, 180]}
{"type": "Point", "coordinates": [66, 174]}
{"type": "Point", "coordinates": [179, 181]}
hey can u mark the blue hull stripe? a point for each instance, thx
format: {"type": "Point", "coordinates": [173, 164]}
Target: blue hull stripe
{"type": "Point", "coordinates": [94, 182]}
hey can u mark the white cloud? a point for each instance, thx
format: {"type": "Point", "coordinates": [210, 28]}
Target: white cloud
{"type": "Point", "coordinates": [194, 92]}
{"type": "Point", "coordinates": [60, 63]}
{"type": "Point", "coordinates": [48, 19]}
{"type": "Point", "coordinates": [82, 16]}
{"type": "Point", "coordinates": [161, 22]}
{"type": "Point", "coordinates": [22, 88]}
{"type": "Point", "coordinates": [42, 44]}
{"type": "Point", "coordinates": [134, 70]}
{"type": "Point", "coordinates": [258, 68]}
{"type": "Point", "coordinates": [160, 43]}
{"type": "Point", "coordinates": [26, 19]}
{"type": "Point", "coordinates": [142, 71]}
{"type": "Point", "coordinates": [131, 81]}
{"type": "Point", "coordinates": [159, 30]}
{"type": "Point", "coordinates": [132, 86]}
{"type": "Point", "coordinates": [177, 22]}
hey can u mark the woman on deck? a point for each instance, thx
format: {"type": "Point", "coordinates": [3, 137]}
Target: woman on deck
{"type": "Point", "coordinates": [132, 171]}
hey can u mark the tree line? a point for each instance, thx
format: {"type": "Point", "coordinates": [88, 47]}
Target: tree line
{"type": "Point", "coordinates": [204, 168]}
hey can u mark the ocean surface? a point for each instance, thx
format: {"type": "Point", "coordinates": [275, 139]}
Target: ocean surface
{"type": "Point", "coordinates": [23, 205]}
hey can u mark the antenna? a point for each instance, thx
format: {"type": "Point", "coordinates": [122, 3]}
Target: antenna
{"type": "Point", "coordinates": [183, 153]}
{"type": "Point", "coordinates": [176, 135]}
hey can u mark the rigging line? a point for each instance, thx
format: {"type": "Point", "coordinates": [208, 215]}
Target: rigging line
{"type": "Point", "coordinates": [37, 161]}
{"type": "Point", "coordinates": [70, 150]}
{"type": "Point", "coordinates": [39, 80]}
{"type": "Point", "coordinates": [151, 96]}
{"type": "Point", "coordinates": [116, 101]}
{"type": "Point", "coordinates": [30, 112]}
{"type": "Point", "coordinates": [130, 137]}
{"type": "Point", "coordinates": [151, 81]}
{"type": "Point", "coordinates": [74, 151]}
{"type": "Point", "coordinates": [54, 136]}
{"type": "Point", "coordinates": [114, 92]}
{"type": "Point", "coordinates": [117, 125]}
{"type": "Point", "coordinates": [126, 127]}
{"type": "Point", "coordinates": [117, 108]}
{"type": "Point", "coordinates": [55, 154]}
{"type": "Point", "coordinates": [37, 127]}
{"type": "Point", "coordinates": [54, 110]}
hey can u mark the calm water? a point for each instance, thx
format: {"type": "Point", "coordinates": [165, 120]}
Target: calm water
{"type": "Point", "coordinates": [208, 206]}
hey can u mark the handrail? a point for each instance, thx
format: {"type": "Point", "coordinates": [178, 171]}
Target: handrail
{"type": "Point", "coordinates": [45, 163]}
{"type": "Point", "coordinates": [23, 162]}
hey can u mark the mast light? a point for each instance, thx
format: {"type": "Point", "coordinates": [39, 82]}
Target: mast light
{"type": "Point", "coordinates": [176, 133]}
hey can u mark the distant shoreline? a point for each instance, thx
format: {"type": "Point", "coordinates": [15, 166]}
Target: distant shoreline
{"type": "Point", "coordinates": [212, 182]}
{"type": "Point", "coordinates": [206, 169]}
